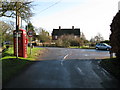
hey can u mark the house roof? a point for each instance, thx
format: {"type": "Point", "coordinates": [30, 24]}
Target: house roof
{"type": "Point", "coordinates": [65, 32]}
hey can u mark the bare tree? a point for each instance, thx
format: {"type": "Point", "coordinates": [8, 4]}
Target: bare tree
{"type": "Point", "coordinates": [98, 38]}
{"type": "Point", "coordinates": [9, 8]}
{"type": "Point", "coordinates": [44, 36]}
{"type": "Point", "coordinates": [6, 30]}
{"type": "Point", "coordinates": [82, 36]}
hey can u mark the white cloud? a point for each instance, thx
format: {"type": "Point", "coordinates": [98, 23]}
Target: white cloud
{"type": "Point", "coordinates": [91, 17]}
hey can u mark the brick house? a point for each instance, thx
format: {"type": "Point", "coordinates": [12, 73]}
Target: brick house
{"type": "Point", "coordinates": [56, 33]}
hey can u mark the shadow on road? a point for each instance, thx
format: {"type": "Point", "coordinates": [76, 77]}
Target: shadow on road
{"type": "Point", "coordinates": [76, 73]}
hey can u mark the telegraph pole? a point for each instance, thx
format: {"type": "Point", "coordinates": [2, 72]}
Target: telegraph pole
{"type": "Point", "coordinates": [17, 27]}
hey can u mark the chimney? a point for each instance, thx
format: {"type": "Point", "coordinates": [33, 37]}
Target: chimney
{"type": "Point", "coordinates": [59, 27]}
{"type": "Point", "coordinates": [72, 27]}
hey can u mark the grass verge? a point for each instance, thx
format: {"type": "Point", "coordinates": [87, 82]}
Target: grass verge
{"type": "Point", "coordinates": [11, 66]}
{"type": "Point", "coordinates": [112, 66]}
{"type": "Point", "coordinates": [82, 47]}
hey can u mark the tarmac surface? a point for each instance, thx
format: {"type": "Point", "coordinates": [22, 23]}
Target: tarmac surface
{"type": "Point", "coordinates": [66, 68]}
{"type": "Point", "coordinates": [0, 68]}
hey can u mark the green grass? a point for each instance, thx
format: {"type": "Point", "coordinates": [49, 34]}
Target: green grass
{"type": "Point", "coordinates": [82, 47]}
{"type": "Point", "coordinates": [11, 66]}
{"type": "Point", "coordinates": [112, 66]}
{"type": "Point", "coordinates": [35, 52]}
{"type": "Point", "coordinates": [9, 54]}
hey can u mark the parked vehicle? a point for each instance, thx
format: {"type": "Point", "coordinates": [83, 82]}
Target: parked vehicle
{"type": "Point", "coordinates": [7, 43]}
{"type": "Point", "coordinates": [103, 46]}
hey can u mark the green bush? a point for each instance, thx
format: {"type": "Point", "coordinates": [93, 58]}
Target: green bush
{"type": "Point", "coordinates": [68, 40]}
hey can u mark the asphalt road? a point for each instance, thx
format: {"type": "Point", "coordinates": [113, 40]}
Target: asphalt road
{"type": "Point", "coordinates": [66, 68]}
{"type": "Point", "coordinates": [67, 53]}
{"type": "Point", "coordinates": [0, 67]}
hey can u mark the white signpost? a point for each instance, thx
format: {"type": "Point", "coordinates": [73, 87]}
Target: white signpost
{"type": "Point", "coordinates": [30, 34]}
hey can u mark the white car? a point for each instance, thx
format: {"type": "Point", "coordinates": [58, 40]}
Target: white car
{"type": "Point", "coordinates": [102, 46]}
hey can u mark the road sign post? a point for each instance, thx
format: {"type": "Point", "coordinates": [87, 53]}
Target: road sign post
{"type": "Point", "coordinates": [30, 34]}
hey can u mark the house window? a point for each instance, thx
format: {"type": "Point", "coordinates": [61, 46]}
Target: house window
{"type": "Point", "coordinates": [75, 36]}
{"type": "Point", "coordinates": [56, 37]}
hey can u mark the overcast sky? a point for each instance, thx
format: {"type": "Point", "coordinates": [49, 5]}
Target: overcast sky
{"type": "Point", "coordinates": [91, 16]}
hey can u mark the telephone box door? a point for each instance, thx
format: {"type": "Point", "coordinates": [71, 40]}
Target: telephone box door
{"type": "Point", "coordinates": [22, 43]}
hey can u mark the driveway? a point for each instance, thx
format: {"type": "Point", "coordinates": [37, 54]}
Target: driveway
{"type": "Point", "coordinates": [66, 68]}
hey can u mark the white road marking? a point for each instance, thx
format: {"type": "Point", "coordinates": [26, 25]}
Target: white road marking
{"type": "Point", "coordinates": [80, 71]}
{"type": "Point", "coordinates": [66, 56]}
{"type": "Point", "coordinates": [64, 59]}
{"type": "Point", "coordinates": [86, 55]}
{"type": "Point", "coordinates": [62, 62]}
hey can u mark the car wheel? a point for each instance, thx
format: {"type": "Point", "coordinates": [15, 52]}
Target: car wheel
{"type": "Point", "coordinates": [96, 48]}
{"type": "Point", "coordinates": [107, 49]}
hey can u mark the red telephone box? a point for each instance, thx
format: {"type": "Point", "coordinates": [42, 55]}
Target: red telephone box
{"type": "Point", "coordinates": [22, 43]}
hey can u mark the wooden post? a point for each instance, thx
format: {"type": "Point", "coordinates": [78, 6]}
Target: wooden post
{"type": "Point", "coordinates": [30, 45]}
{"type": "Point", "coordinates": [111, 54]}
{"type": "Point", "coordinates": [17, 29]}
